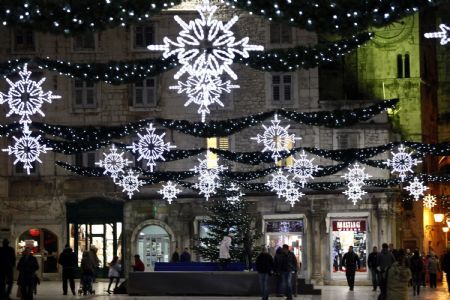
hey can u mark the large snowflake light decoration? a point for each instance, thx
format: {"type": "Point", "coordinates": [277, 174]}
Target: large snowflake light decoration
{"type": "Point", "coordinates": [443, 34]}
{"type": "Point", "coordinates": [150, 147]}
{"type": "Point", "coordinates": [203, 169]}
{"type": "Point", "coordinates": [204, 91]}
{"type": "Point", "coordinates": [25, 97]}
{"type": "Point", "coordinates": [402, 162]}
{"type": "Point", "coordinates": [207, 185]}
{"type": "Point", "coordinates": [303, 168]}
{"type": "Point", "coordinates": [429, 201]}
{"type": "Point", "coordinates": [356, 175]}
{"type": "Point", "coordinates": [130, 183]}
{"type": "Point", "coordinates": [276, 138]}
{"type": "Point", "coordinates": [27, 149]}
{"type": "Point", "coordinates": [205, 45]}
{"type": "Point", "coordinates": [234, 193]}
{"type": "Point", "coordinates": [169, 191]}
{"type": "Point", "coordinates": [292, 194]}
{"type": "Point", "coordinates": [416, 188]}
{"type": "Point", "coordinates": [278, 183]}
{"type": "Point", "coordinates": [114, 162]}
{"type": "Point", "coordinates": [354, 193]}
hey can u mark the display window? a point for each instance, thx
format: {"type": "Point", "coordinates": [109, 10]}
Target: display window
{"type": "Point", "coordinates": [280, 232]}
{"type": "Point", "coordinates": [153, 245]}
{"type": "Point", "coordinates": [346, 233]}
{"type": "Point", "coordinates": [43, 243]}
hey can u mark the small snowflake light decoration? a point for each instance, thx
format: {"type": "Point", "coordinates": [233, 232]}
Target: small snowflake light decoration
{"type": "Point", "coordinates": [354, 193]}
{"type": "Point", "coordinates": [27, 149]}
{"type": "Point", "coordinates": [235, 193]}
{"type": "Point", "coordinates": [443, 34]}
{"type": "Point", "coordinates": [402, 162]}
{"type": "Point", "coordinates": [130, 183]}
{"type": "Point", "coordinates": [150, 147]}
{"type": "Point", "coordinates": [356, 175]}
{"type": "Point", "coordinates": [303, 168]}
{"type": "Point", "coordinates": [429, 201]}
{"type": "Point", "coordinates": [207, 185]}
{"type": "Point", "coordinates": [202, 168]}
{"type": "Point", "coordinates": [416, 188]}
{"type": "Point", "coordinates": [278, 183]}
{"type": "Point", "coordinates": [276, 138]}
{"type": "Point", "coordinates": [25, 97]}
{"type": "Point", "coordinates": [169, 191]}
{"type": "Point", "coordinates": [114, 162]}
{"type": "Point", "coordinates": [292, 193]}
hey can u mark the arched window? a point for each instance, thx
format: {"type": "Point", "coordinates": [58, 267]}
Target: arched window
{"type": "Point", "coordinates": [399, 66]}
{"type": "Point", "coordinates": [407, 70]}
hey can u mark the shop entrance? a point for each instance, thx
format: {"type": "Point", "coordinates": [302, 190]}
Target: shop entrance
{"type": "Point", "coordinates": [153, 245]}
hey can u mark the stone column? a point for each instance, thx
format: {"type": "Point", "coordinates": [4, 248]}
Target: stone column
{"type": "Point", "coordinates": [383, 229]}
{"type": "Point", "coordinates": [316, 249]}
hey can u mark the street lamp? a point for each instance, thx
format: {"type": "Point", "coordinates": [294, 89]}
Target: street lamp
{"type": "Point", "coordinates": [438, 217]}
{"type": "Point", "coordinates": [445, 229]}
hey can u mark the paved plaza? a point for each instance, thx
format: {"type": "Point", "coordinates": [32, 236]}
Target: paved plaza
{"type": "Point", "coordinates": [49, 290]}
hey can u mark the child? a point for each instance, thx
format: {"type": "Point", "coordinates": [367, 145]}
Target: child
{"type": "Point", "coordinates": [114, 272]}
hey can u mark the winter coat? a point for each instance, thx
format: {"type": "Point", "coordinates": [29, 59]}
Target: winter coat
{"type": "Point", "coordinates": [114, 270]}
{"type": "Point", "coordinates": [350, 261]}
{"type": "Point", "coordinates": [433, 265]}
{"type": "Point", "coordinates": [68, 259]}
{"type": "Point", "coordinates": [446, 263]}
{"type": "Point", "coordinates": [397, 282]}
{"type": "Point", "coordinates": [138, 265]}
{"type": "Point", "coordinates": [264, 263]}
{"type": "Point", "coordinates": [385, 259]}
{"type": "Point", "coordinates": [185, 257]}
{"type": "Point", "coordinates": [224, 248]}
{"type": "Point", "coordinates": [87, 265]}
{"type": "Point", "coordinates": [416, 264]}
{"type": "Point", "coordinates": [27, 267]}
{"type": "Point", "coordinates": [285, 262]}
{"type": "Point", "coordinates": [7, 258]}
{"type": "Point", "coordinates": [372, 260]}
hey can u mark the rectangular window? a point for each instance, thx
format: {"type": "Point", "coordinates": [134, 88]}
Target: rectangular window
{"type": "Point", "coordinates": [222, 143]}
{"type": "Point", "coordinates": [143, 36]}
{"type": "Point", "coordinates": [84, 42]}
{"type": "Point", "coordinates": [280, 33]}
{"type": "Point", "coordinates": [24, 40]}
{"type": "Point", "coordinates": [144, 93]}
{"type": "Point", "coordinates": [84, 94]}
{"type": "Point", "coordinates": [282, 88]}
{"type": "Point", "coordinates": [86, 159]}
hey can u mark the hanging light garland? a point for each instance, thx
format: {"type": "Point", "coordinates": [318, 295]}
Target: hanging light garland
{"type": "Point", "coordinates": [402, 162]}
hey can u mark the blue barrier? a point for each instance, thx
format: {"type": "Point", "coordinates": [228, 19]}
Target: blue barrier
{"type": "Point", "coordinates": [199, 266]}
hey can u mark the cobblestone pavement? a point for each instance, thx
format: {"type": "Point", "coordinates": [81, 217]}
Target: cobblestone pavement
{"type": "Point", "coordinates": [52, 290]}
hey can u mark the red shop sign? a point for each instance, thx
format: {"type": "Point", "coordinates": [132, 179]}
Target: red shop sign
{"type": "Point", "coordinates": [349, 225]}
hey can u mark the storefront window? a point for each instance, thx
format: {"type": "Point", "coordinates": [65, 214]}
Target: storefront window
{"type": "Point", "coordinates": [153, 246]}
{"type": "Point", "coordinates": [346, 233]}
{"type": "Point", "coordinates": [43, 243]}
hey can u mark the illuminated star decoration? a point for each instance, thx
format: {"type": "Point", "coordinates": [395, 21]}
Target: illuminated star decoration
{"type": "Point", "coordinates": [169, 191]}
{"type": "Point", "coordinates": [278, 183]}
{"type": "Point", "coordinates": [355, 177]}
{"type": "Point", "coordinates": [292, 193]}
{"type": "Point", "coordinates": [276, 138]}
{"type": "Point", "coordinates": [207, 185]}
{"type": "Point", "coordinates": [27, 149]}
{"type": "Point", "coordinates": [203, 169]}
{"type": "Point", "coordinates": [303, 168]}
{"type": "Point", "coordinates": [25, 97]}
{"type": "Point", "coordinates": [440, 34]}
{"type": "Point", "coordinates": [130, 183]}
{"type": "Point", "coordinates": [113, 163]}
{"type": "Point", "coordinates": [235, 193]}
{"type": "Point", "coordinates": [429, 201]}
{"type": "Point", "coordinates": [416, 188]}
{"type": "Point", "coordinates": [205, 48]}
{"type": "Point", "coordinates": [402, 162]}
{"type": "Point", "coordinates": [150, 147]}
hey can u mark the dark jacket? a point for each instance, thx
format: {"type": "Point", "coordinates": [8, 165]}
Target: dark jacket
{"type": "Point", "coordinates": [27, 266]}
{"type": "Point", "coordinates": [385, 259]}
{"type": "Point", "coordinates": [68, 259]}
{"type": "Point", "coordinates": [446, 263]}
{"type": "Point", "coordinates": [285, 262]}
{"type": "Point", "coordinates": [7, 258]}
{"type": "Point", "coordinates": [185, 257]}
{"type": "Point", "coordinates": [264, 263]}
{"type": "Point", "coordinates": [175, 257]}
{"type": "Point", "coordinates": [416, 264]}
{"type": "Point", "coordinates": [350, 261]}
{"type": "Point", "coordinates": [372, 260]}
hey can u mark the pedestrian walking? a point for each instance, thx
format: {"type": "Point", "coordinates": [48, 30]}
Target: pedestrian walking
{"type": "Point", "coordinates": [138, 264]}
{"type": "Point", "coordinates": [433, 269]}
{"type": "Point", "coordinates": [224, 251]}
{"type": "Point", "coordinates": [276, 266]}
{"type": "Point", "coordinates": [185, 256]}
{"type": "Point", "coordinates": [397, 277]}
{"type": "Point", "coordinates": [286, 264]}
{"type": "Point", "coordinates": [446, 267]}
{"type": "Point", "coordinates": [114, 272]}
{"type": "Point", "coordinates": [95, 261]}
{"type": "Point", "coordinates": [385, 259]}
{"type": "Point", "coordinates": [264, 267]}
{"type": "Point", "coordinates": [372, 264]}
{"type": "Point", "coordinates": [87, 273]}
{"type": "Point", "coordinates": [175, 256]}
{"type": "Point", "coordinates": [351, 262]}
{"type": "Point", "coordinates": [27, 268]}
{"type": "Point", "coordinates": [7, 264]}
{"type": "Point", "coordinates": [416, 266]}
{"type": "Point", "coordinates": [68, 261]}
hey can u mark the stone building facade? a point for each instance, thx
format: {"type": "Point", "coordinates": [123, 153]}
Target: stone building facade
{"type": "Point", "coordinates": [52, 207]}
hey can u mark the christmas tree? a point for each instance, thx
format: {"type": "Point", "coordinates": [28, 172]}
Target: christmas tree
{"type": "Point", "coordinates": [225, 218]}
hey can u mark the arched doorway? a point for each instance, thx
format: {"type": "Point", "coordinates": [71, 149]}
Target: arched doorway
{"type": "Point", "coordinates": [44, 245]}
{"type": "Point", "coordinates": [153, 242]}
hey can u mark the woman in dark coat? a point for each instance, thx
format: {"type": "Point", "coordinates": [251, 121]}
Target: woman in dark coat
{"type": "Point", "coordinates": [27, 268]}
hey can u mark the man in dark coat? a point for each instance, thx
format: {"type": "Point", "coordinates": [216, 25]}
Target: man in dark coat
{"type": "Point", "coordinates": [372, 264]}
{"type": "Point", "coordinates": [27, 268]}
{"type": "Point", "coordinates": [68, 261]}
{"type": "Point", "coordinates": [185, 256]}
{"type": "Point", "coordinates": [264, 267]}
{"type": "Point", "coordinates": [286, 264]}
{"type": "Point", "coordinates": [351, 262]}
{"type": "Point", "coordinates": [7, 264]}
{"type": "Point", "coordinates": [446, 267]}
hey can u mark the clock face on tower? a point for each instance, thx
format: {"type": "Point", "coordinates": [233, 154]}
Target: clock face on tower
{"type": "Point", "coordinates": [395, 32]}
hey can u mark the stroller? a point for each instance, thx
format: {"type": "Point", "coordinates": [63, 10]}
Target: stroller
{"type": "Point", "coordinates": [86, 285]}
